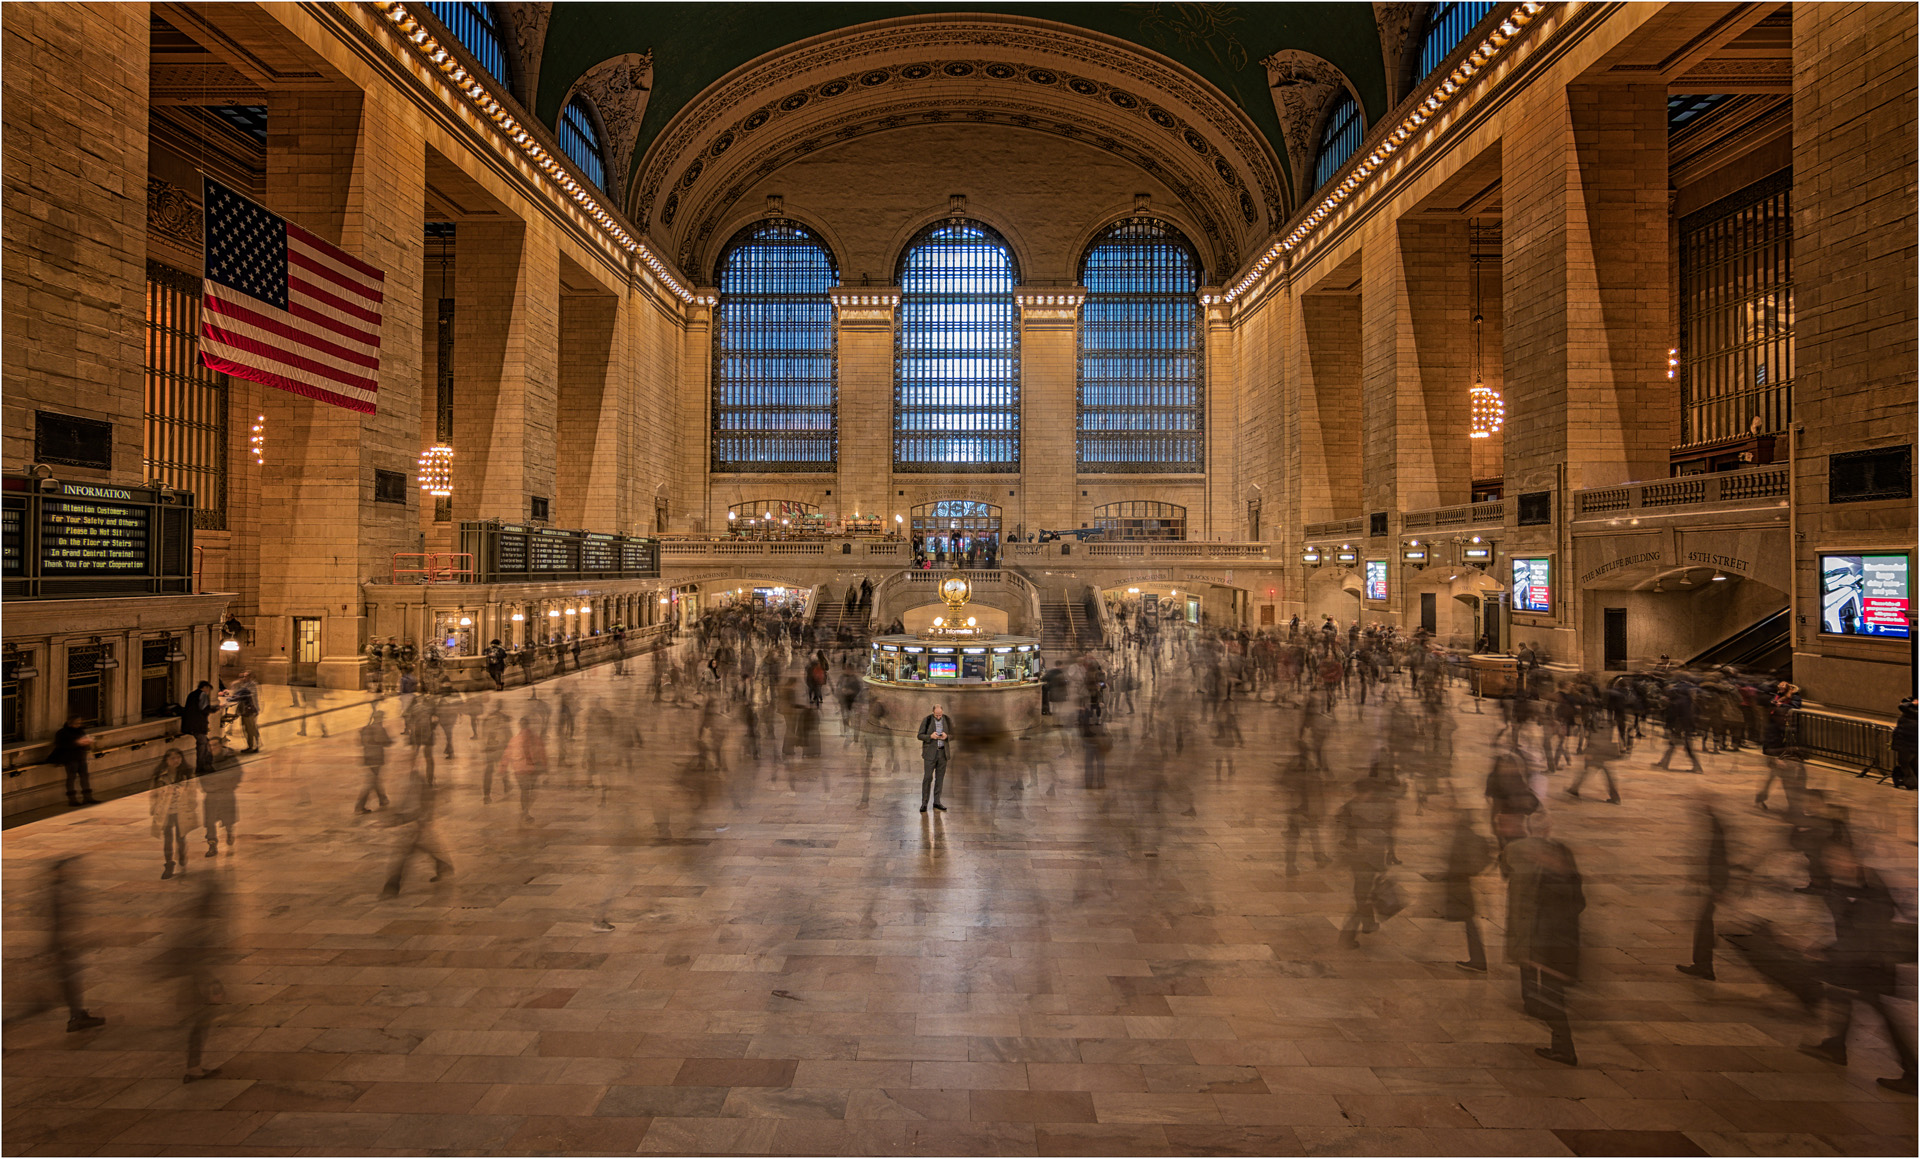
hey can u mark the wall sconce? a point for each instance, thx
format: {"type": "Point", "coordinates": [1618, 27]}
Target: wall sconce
{"type": "Point", "coordinates": [436, 471]}
{"type": "Point", "coordinates": [174, 654]}
{"type": "Point", "coordinates": [23, 666]}
{"type": "Point", "coordinates": [1719, 576]}
{"type": "Point", "coordinates": [553, 613]}
{"type": "Point", "coordinates": [573, 611]}
{"type": "Point", "coordinates": [107, 659]}
{"type": "Point", "coordinates": [1346, 555]}
{"type": "Point", "coordinates": [466, 621]}
{"type": "Point", "coordinates": [516, 617]}
{"type": "Point", "coordinates": [257, 440]}
{"type": "Point", "coordinates": [1311, 557]}
{"type": "Point", "coordinates": [1414, 554]}
{"type": "Point", "coordinates": [229, 645]}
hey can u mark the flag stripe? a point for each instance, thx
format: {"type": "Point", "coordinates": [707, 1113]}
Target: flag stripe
{"type": "Point", "coordinates": [307, 260]}
{"type": "Point", "coordinates": [289, 332]}
{"type": "Point", "coordinates": [340, 306]}
{"type": "Point", "coordinates": [243, 343]}
{"type": "Point", "coordinates": [267, 378]}
{"type": "Point", "coordinates": [308, 309]}
{"type": "Point", "coordinates": [296, 233]}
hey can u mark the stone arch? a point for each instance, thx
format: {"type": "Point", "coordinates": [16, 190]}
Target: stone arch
{"type": "Point", "coordinates": [1400, 26]}
{"type": "Point", "coordinates": [616, 91]}
{"type": "Point", "coordinates": [1009, 232]}
{"type": "Point", "coordinates": [1175, 218]}
{"type": "Point", "coordinates": [1304, 87]}
{"type": "Point", "coordinates": [526, 25]}
{"type": "Point", "coordinates": [799, 215]}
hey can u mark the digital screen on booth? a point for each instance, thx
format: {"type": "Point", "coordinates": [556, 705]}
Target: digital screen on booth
{"type": "Point", "coordinates": [943, 668]}
{"type": "Point", "coordinates": [1865, 595]}
{"type": "Point", "coordinates": [1376, 579]}
{"type": "Point", "coordinates": [1532, 585]}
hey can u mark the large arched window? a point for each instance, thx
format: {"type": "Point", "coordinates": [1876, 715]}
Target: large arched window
{"type": "Point", "coordinates": [1140, 392]}
{"type": "Point", "coordinates": [1340, 138]}
{"type": "Point", "coordinates": [1447, 25]}
{"type": "Point", "coordinates": [580, 141]}
{"type": "Point", "coordinates": [957, 353]}
{"type": "Point", "coordinates": [774, 404]}
{"type": "Point", "coordinates": [478, 31]}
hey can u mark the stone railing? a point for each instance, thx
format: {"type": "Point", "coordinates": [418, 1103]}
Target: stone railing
{"type": "Point", "coordinates": [835, 551]}
{"type": "Point", "coordinates": [1342, 529]}
{"type": "Point", "coordinates": [1760, 486]}
{"type": "Point", "coordinates": [1177, 550]}
{"type": "Point", "coordinates": [1491, 513]}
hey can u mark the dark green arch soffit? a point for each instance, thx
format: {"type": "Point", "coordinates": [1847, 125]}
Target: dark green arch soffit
{"type": "Point", "coordinates": [695, 44]}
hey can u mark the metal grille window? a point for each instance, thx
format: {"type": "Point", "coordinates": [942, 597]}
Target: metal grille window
{"type": "Point", "coordinates": [84, 698]}
{"type": "Point", "coordinates": [1141, 388]}
{"type": "Point", "coordinates": [1736, 320]}
{"type": "Point", "coordinates": [185, 443]}
{"type": "Point", "coordinates": [956, 398]}
{"type": "Point", "coordinates": [580, 141]}
{"type": "Point", "coordinates": [12, 724]}
{"type": "Point", "coordinates": [474, 26]}
{"type": "Point", "coordinates": [156, 678]}
{"type": "Point", "coordinates": [1146, 519]}
{"type": "Point", "coordinates": [1340, 138]}
{"type": "Point", "coordinates": [775, 403]}
{"type": "Point", "coordinates": [1447, 26]}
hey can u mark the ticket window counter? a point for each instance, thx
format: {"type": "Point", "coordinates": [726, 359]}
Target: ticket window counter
{"type": "Point", "coordinates": [923, 663]}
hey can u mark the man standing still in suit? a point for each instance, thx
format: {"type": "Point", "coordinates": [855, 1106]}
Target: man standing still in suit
{"type": "Point", "coordinates": [935, 736]}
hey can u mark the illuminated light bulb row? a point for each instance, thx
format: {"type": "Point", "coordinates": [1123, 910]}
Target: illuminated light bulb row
{"type": "Point", "coordinates": [1673, 363]}
{"type": "Point", "coordinates": [436, 470]}
{"type": "Point", "coordinates": [1482, 55]}
{"type": "Point", "coordinates": [257, 440]}
{"type": "Point", "coordinates": [420, 38]}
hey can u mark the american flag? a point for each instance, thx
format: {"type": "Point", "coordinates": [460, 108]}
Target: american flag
{"type": "Point", "coordinates": [281, 307]}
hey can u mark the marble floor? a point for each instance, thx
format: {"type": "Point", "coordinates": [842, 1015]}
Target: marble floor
{"type": "Point", "coordinates": [800, 962]}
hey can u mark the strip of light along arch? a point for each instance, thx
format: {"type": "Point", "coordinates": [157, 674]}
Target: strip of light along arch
{"type": "Point", "coordinates": [487, 103]}
{"type": "Point", "coordinates": [1482, 55]}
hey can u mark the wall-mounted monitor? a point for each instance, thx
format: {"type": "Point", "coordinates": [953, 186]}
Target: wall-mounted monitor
{"type": "Point", "coordinates": [1376, 579]}
{"type": "Point", "coordinates": [1533, 585]}
{"type": "Point", "coordinates": [1866, 594]}
{"type": "Point", "coordinates": [943, 667]}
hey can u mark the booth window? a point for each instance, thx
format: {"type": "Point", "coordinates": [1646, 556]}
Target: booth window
{"type": "Point", "coordinates": [957, 353]}
{"type": "Point", "coordinates": [156, 678]}
{"type": "Point", "coordinates": [84, 698]}
{"type": "Point", "coordinates": [775, 402]}
{"type": "Point", "coordinates": [1141, 391]}
{"type": "Point", "coordinates": [185, 441]}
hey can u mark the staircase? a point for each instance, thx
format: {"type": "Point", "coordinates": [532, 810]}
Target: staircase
{"type": "Point", "coordinates": [1058, 629]}
{"type": "Point", "coordinates": [830, 615]}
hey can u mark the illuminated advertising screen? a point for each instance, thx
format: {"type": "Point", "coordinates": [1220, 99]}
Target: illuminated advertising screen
{"type": "Point", "coordinates": [1376, 579]}
{"type": "Point", "coordinates": [943, 668]}
{"type": "Point", "coordinates": [1532, 585]}
{"type": "Point", "coordinates": [1865, 595]}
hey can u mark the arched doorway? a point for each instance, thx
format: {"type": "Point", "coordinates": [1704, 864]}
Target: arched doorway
{"type": "Point", "coordinates": [951, 525]}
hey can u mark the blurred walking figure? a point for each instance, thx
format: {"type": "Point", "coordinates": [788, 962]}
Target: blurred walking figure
{"type": "Point", "coordinates": [1870, 942]}
{"type": "Point", "coordinates": [526, 761]}
{"type": "Point", "coordinates": [1306, 792]}
{"type": "Point", "coordinates": [1467, 857]}
{"type": "Point", "coordinates": [934, 753]}
{"type": "Point", "coordinates": [1716, 873]}
{"type": "Point", "coordinates": [72, 745]}
{"type": "Point", "coordinates": [374, 740]}
{"type": "Point", "coordinates": [1602, 751]}
{"type": "Point", "coordinates": [174, 805]}
{"type": "Point", "coordinates": [418, 722]}
{"type": "Point", "coordinates": [1510, 798]}
{"type": "Point", "coordinates": [1680, 721]}
{"type": "Point", "coordinates": [496, 729]}
{"type": "Point", "coordinates": [197, 946]}
{"type": "Point", "coordinates": [194, 714]}
{"type": "Point", "coordinates": [1544, 903]}
{"type": "Point", "coordinates": [63, 941]}
{"type": "Point", "coordinates": [219, 802]}
{"type": "Point", "coordinates": [414, 819]}
{"type": "Point", "coordinates": [245, 697]}
{"type": "Point", "coordinates": [1366, 823]}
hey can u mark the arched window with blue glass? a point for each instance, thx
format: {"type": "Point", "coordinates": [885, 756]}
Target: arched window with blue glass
{"type": "Point", "coordinates": [957, 352]}
{"type": "Point", "coordinates": [775, 399]}
{"type": "Point", "coordinates": [1339, 138]}
{"type": "Point", "coordinates": [1141, 398]}
{"type": "Point", "coordinates": [580, 140]}
{"type": "Point", "coordinates": [478, 31]}
{"type": "Point", "coordinates": [1447, 25]}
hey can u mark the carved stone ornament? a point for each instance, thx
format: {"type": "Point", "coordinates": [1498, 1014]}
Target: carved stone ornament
{"type": "Point", "coordinates": [172, 213]}
{"type": "Point", "coordinates": [527, 25]}
{"type": "Point", "coordinates": [1302, 85]}
{"type": "Point", "coordinates": [619, 87]}
{"type": "Point", "coordinates": [1400, 26]}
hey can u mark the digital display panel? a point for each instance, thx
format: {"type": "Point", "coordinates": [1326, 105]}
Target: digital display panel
{"type": "Point", "coordinates": [1376, 579]}
{"type": "Point", "coordinates": [1532, 585]}
{"type": "Point", "coordinates": [1866, 595]}
{"type": "Point", "coordinates": [513, 552]}
{"type": "Point", "coordinates": [92, 538]}
{"type": "Point", "coordinates": [943, 667]}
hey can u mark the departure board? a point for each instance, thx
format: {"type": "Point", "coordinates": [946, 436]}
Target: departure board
{"type": "Point", "coordinates": [599, 553]}
{"type": "Point", "coordinates": [90, 538]}
{"type": "Point", "coordinates": [549, 553]}
{"type": "Point", "coordinates": [513, 552]}
{"type": "Point", "coordinates": [16, 536]}
{"type": "Point", "coordinates": [636, 555]}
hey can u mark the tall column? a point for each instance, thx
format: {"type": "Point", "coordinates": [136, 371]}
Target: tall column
{"type": "Point", "coordinates": [1434, 352]}
{"type": "Point", "coordinates": [1854, 247]}
{"type": "Point", "coordinates": [506, 355]}
{"type": "Point", "coordinates": [349, 167]}
{"type": "Point", "coordinates": [690, 488]}
{"type": "Point", "coordinates": [1226, 516]}
{"type": "Point", "coordinates": [1049, 407]}
{"type": "Point", "coordinates": [588, 490]}
{"type": "Point", "coordinates": [865, 318]}
{"type": "Point", "coordinates": [1326, 355]}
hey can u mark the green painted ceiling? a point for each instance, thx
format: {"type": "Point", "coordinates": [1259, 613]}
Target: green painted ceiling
{"type": "Point", "coordinates": [695, 44]}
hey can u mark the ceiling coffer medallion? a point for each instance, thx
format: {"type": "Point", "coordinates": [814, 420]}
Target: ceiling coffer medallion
{"type": "Point", "coordinates": [618, 87]}
{"type": "Point", "coordinates": [1208, 209]}
{"type": "Point", "coordinates": [1151, 84]}
{"type": "Point", "coordinates": [1302, 85]}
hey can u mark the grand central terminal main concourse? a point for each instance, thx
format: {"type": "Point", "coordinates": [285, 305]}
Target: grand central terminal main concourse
{"type": "Point", "coordinates": [1381, 534]}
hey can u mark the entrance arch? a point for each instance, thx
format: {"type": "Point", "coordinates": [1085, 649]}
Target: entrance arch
{"type": "Point", "coordinates": [951, 524]}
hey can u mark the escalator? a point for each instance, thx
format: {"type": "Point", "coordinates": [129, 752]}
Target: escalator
{"type": "Point", "coordinates": [1765, 647]}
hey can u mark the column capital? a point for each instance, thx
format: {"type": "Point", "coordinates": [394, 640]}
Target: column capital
{"type": "Point", "coordinates": [865, 305]}
{"type": "Point", "coordinates": [1219, 309]}
{"type": "Point", "coordinates": [1060, 305]}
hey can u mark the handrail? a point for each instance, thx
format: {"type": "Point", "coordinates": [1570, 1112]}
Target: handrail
{"type": "Point", "coordinates": [436, 566]}
{"type": "Point", "coordinates": [1754, 483]}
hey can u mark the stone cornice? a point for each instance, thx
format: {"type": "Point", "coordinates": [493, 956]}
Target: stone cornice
{"type": "Point", "coordinates": [865, 306]}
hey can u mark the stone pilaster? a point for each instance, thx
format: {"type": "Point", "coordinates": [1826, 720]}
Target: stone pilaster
{"type": "Point", "coordinates": [1327, 364]}
{"type": "Point", "coordinates": [865, 317]}
{"type": "Point", "coordinates": [1225, 413]}
{"type": "Point", "coordinates": [1049, 406]}
{"type": "Point", "coordinates": [588, 490]}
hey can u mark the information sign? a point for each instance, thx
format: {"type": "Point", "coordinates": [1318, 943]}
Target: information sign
{"type": "Point", "coordinates": [513, 551]}
{"type": "Point", "coordinates": [1376, 579]}
{"type": "Point", "coordinates": [88, 538]}
{"type": "Point", "coordinates": [1532, 585]}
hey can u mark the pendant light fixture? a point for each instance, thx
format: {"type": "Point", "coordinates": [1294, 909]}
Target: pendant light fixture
{"type": "Point", "coordinates": [1486, 410]}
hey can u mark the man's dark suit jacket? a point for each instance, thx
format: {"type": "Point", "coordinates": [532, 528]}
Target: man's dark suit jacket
{"type": "Point", "coordinates": [927, 747]}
